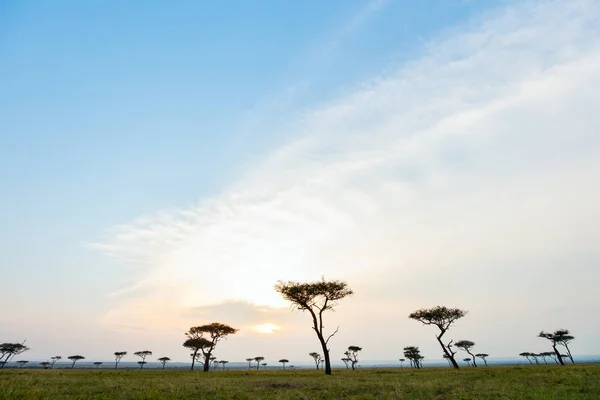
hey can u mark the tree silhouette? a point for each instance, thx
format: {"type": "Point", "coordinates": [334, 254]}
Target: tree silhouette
{"type": "Point", "coordinates": [97, 364]}
{"type": "Point", "coordinates": [264, 365]}
{"type": "Point", "coordinates": [414, 356]}
{"type": "Point", "coordinates": [21, 363]}
{"type": "Point", "coordinates": [445, 357]}
{"type": "Point", "coordinates": [249, 362]}
{"type": "Point", "coordinates": [258, 360]}
{"type": "Point", "coordinates": [163, 361]}
{"type": "Point", "coordinates": [213, 332]}
{"type": "Point", "coordinates": [118, 356]}
{"type": "Point", "coordinates": [196, 345]}
{"type": "Point", "coordinates": [483, 356]}
{"type": "Point", "coordinates": [526, 354]}
{"type": "Point", "coordinates": [442, 317]}
{"type": "Point", "coordinates": [317, 357]}
{"type": "Point", "coordinates": [9, 350]}
{"type": "Point", "coordinates": [559, 337]}
{"type": "Point", "coordinates": [213, 359]}
{"type": "Point", "coordinates": [283, 361]}
{"type": "Point", "coordinates": [223, 362]}
{"type": "Point", "coordinates": [54, 360]}
{"type": "Point", "coordinates": [352, 354]}
{"type": "Point", "coordinates": [467, 360]}
{"type": "Point", "coordinates": [316, 298]}
{"type": "Point", "coordinates": [45, 364]}
{"type": "Point", "coordinates": [142, 354]}
{"type": "Point", "coordinates": [346, 361]}
{"type": "Point", "coordinates": [549, 354]}
{"type": "Point", "coordinates": [467, 345]}
{"type": "Point", "coordinates": [75, 358]}
{"type": "Point", "coordinates": [401, 362]}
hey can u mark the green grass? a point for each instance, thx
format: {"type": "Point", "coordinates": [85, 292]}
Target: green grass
{"type": "Point", "coordinates": [521, 382]}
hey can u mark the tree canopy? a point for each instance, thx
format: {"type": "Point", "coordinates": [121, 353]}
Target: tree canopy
{"type": "Point", "coordinates": [212, 333]}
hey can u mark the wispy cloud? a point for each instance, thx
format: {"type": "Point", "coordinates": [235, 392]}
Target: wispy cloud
{"type": "Point", "coordinates": [464, 169]}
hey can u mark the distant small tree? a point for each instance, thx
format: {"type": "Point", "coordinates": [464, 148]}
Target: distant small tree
{"type": "Point", "coordinates": [54, 360]}
{"type": "Point", "coordinates": [258, 360]}
{"type": "Point", "coordinates": [527, 355]}
{"type": "Point", "coordinates": [535, 357]}
{"type": "Point", "coordinates": [21, 363]}
{"type": "Point", "coordinates": [213, 360]}
{"type": "Point", "coordinates": [9, 350]}
{"type": "Point", "coordinates": [196, 344]}
{"type": "Point", "coordinates": [483, 356]}
{"type": "Point", "coordinates": [249, 362]}
{"type": "Point", "coordinates": [467, 345]}
{"type": "Point", "coordinates": [45, 364]}
{"type": "Point", "coordinates": [401, 362]}
{"type": "Point", "coordinates": [223, 362]}
{"type": "Point", "coordinates": [467, 360]}
{"type": "Point", "coordinates": [564, 338]}
{"type": "Point", "coordinates": [442, 317]}
{"type": "Point", "coordinates": [316, 298]}
{"type": "Point", "coordinates": [544, 356]}
{"type": "Point", "coordinates": [316, 357]}
{"type": "Point", "coordinates": [558, 338]}
{"type": "Point", "coordinates": [283, 361]}
{"type": "Point", "coordinates": [445, 357]}
{"type": "Point", "coordinates": [164, 361]}
{"type": "Point", "coordinates": [75, 358]}
{"type": "Point", "coordinates": [346, 361]}
{"type": "Point", "coordinates": [118, 356]}
{"type": "Point", "coordinates": [551, 355]}
{"type": "Point", "coordinates": [264, 365]}
{"type": "Point", "coordinates": [97, 364]}
{"type": "Point", "coordinates": [414, 356]}
{"type": "Point", "coordinates": [352, 354]}
{"type": "Point", "coordinates": [213, 332]}
{"type": "Point", "coordinates": [142, 354]}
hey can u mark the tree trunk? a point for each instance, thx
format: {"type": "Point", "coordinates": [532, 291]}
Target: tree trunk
{"type": "Point", "coordinates": [206, 362]}
{"type": "Point", "coordinates": [473, 358]}
{"type": "Point", "coordinates": [448, 353]}
{"type": "Point", "coordinates": [73, 365]}
{"type": "Point", "coordinates": [569, 353]}
{"type": "Point", "coordinates": [557, 354]}
{"type": "Point", "coordinates": [194, 359]}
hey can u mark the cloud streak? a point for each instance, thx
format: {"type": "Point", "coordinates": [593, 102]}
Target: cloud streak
{"type": "Point", "coordinates": [464, 177]}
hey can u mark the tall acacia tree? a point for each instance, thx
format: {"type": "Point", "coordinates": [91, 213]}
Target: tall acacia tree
{"type": "Point", "coordinates": [559, 337]}
{"type": "Point", "coordinates": [75, 358]}
{"type": "Point", "coordinates": [316, 357]}
{"type": "Point", "coordinates": [213, 333]}
{"type": "Point", "coordinates": [258, 360]}
{"type": "Point", "coordinates": [142, 354]}
{"type": "Point", "coordinates": [164, 361]}
{"type": "Point", "coordinates": [249, 362]}
{"type": "Point", "coordinates": [283, 361]}
{"type": "Point", "coordinates": [54, 360]}
{"type": "Point", "coordinates": [467, 345]}
{"type": "Point", "coordinates": [442, 317]}
{"type": "Point", "coordinates": [196, 345]}
{"type": "Point", "coordinates": [483, 356]}
{"type": "Point", "coordinates": [9, 350]}
{"type": "Point", "coordinates": [352, 354]}
{"type": "Point", "coordinates": [316, 298]}
{"type": "Point", "coordinates": [118, 356]}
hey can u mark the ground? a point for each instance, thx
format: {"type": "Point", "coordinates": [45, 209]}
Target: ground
{"type": "Point", "coordinates": [516, 382]}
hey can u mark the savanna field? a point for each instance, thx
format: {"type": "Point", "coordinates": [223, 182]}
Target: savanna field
{"type": "Point", "coordinates": [510, 382]}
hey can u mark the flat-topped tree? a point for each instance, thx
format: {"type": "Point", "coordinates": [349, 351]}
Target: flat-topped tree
{"type": "Point", "coordinates": [213, 332]}
{"type": "Point", "coordinates": [142, 354]}
{"type": "Point", "coordinates": [316, 357]}
{"type": "Point", "coordinates": [467, 345]}
{"type": "Point", "coordinates": [414, 355]}
{"type": "Point", "coordinates": [346, 362]}
{"type": "Point", "coordinates": [75, 358]}
{"type": "Point", "coordinates": [560, 337]}
{"type": "Point", "coordinates": [9, 350]}
{"type": "Point", "coordinates": [223, 362]}
{"type": "Point", "coordinates": [258, 360]}
{"type": "Point", "coordinates": [264, 365]}
{"type": "Point", "coordinates": [97, 364]}
{"type": "Point", "coordinates": [118, 356]}
{"type": "Point", "coordinates": [316, 298]}
{"type": "Point", "coordinates": [442, 317]}
{"type": "Point", "coordinates": [283, 361]}
{"type": "Point", "coordinates": [549, 354]}
{"type": "Point", "coordinates": [45, 364]}
{"type": "Point", "coordinates": [352, 354]}
{"type": "Point", "coordinates": [196, 344]}
{"type": "Point", "coordinates": [164, 361]}
{"type": "Point", "coordinates": [54, 360]}
{"type": "Point", "coordinates": [467, 360]}
{"type": "Point", "coordinates": [20, 363]}
{"type": "Point", "coordinates": [527, 354]}
{"type": "Point", "coordinates": [249, 362]}
{"type": "Point", "coordinates": [401, 362]}
{"type": "Point", "coordinates": [483, 356]}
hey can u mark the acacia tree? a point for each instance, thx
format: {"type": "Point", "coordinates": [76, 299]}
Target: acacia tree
{"type": "Point", "coordinates": [223, 362]}
{"type": "Point", "coordinates": [54, 360]}
{"type": "Point", "coordinates": [264, 365]}
{"type": "Point", "coordinates": [45, 364]}
{"type": "Point", "coordinates": [442, 317]}
{"type": "Point", "coordinates": [549, 354]}
{"type": "Point", "coordinates": [9, 350]}
{"type": "Point", "coordinates": [75, 358]}
{"type": "Point", "coordinates": [118, 356]}
{"type": "Point", "coordinates": [483, 356]}
{"type": "Point", "coordinates": [283, 361]}
{"type": "Point", "coordinates": [142, 354]}
{"type": "Point", "coordinates": [352, 354]}
{"type": "Point", "coordinates": [317, 357]}
{"type": "Point", "coordinates": [414, 356]}
{"type": "Point", "coordinates": [401, 362]}
{"type": "Point", "coordinates": [346, 361]}
{"type": "Point", "coordinates": [467, 345]}
{"type": "Point", "coordinates": [468, 361]}
{"type": "Point", "coordinates": [196, 345]}
{"type": "Point", "coordinates": [163, 361]}
{"type": "Point", "coordinates": [97, 364]}
{"type": "Point", "coordinates": [213, 332]}
{"type": "Point", "coordinates": [559, 337]}
{"type": "Point", "coordinates": [316, 298]}
{"type": "Point", "coordinates": [445, 357]}
{"type": "Point", "coordinates": [526, 354]}
{"type": "Point", "coordinates": [21, 363]}
{"type": "Point", "coordinates": [258, 360]}
{"type": "Point", "coordinates": [249, 362]}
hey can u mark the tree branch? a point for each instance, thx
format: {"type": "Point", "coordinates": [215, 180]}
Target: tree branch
{"type": "Point", "coordinates": [330, 336]}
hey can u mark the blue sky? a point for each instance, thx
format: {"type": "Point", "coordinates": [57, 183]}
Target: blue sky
{"type": "Point", "coordinates": [146, 145]}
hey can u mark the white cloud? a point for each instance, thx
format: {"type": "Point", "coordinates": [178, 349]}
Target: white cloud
{"type": "Point", "coordinates": [468, 178]}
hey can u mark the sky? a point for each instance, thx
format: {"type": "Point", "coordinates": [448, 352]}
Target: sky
{"type": "Point", "coordinates": [162, 166]}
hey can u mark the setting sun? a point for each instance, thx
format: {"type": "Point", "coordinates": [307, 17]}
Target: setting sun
{"type": "Point", "coordinates": [266, 328]}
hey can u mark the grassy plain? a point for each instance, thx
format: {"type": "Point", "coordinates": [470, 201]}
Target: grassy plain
{"type": "Point", "coordinates": [516, 382]}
